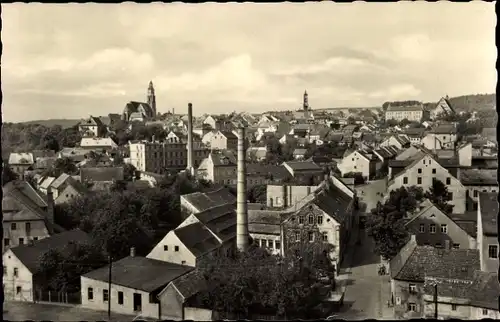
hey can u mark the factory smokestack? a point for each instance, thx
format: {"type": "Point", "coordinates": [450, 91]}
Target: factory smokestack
{"type": "Point", "coordinates": [190, 152]}
{"type": "Point", "coordinates": [242, 237]}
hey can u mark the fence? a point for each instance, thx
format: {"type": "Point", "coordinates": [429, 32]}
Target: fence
{"type": "Point", "coordinates": [58, 297]}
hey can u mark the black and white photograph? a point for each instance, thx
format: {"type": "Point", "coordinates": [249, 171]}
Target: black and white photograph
{"type": "Point", "coordinates": [249, 161]}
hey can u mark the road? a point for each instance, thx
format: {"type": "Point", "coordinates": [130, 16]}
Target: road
{"type": "Point", "coordinates": [367, 293]}
{"type": "Point", "coordinates": [22, 311]}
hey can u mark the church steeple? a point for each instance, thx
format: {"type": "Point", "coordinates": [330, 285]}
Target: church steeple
{"type": "Point", "coordinates": [152, 98]}
{"type": "Point", "coordinates": [305, 104]}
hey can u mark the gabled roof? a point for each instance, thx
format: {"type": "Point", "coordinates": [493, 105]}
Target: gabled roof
{"type": "Point", "coordinates": [21, 158]}
{"type": "Point", "coordinates": [97, 142]}
{"type": "Point", "coordinates": [206, 200]}
{"type": "Point", "coordinates": [197, 238]}
{"type": "Point", "coordinates": [29, 254]}
{"type": "Point", "coordinates": [303, 166]}
{"type": "Point", "coordinates": [220, 220]}
{"type": "Point", "coordinates": [478, 177]}
{"type": "Point", "coordinates": [275, 171]}
{"type": "Point", "coordinates": [60, 180]}
{"type": "Point", "coordinates": [223, 158]}
{"type": "Point", "coordinates": [91, 121]}
{"type": "Point", "coordinates": [299, 151]}
{"type": "Point", "coordinates": [99, 174]}
{"type": "Point", "coordinates": [140, 273]}
{"type": "Point", "coordinates": [264, 222]}
{"type": "Point", "coordinates": [133, 107]}
{"type": "Point", "coordinates": [444, 129]}
{"type": "Point", "coordinates": [229, 135]}
{"type": "Point", "coordinates": [47, 182]}
{"type": "Point", "coordinates": [488, 202]}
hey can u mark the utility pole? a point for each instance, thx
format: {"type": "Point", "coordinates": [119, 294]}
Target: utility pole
{"type": "Point", "coordinates": [435, 301]}
{"type": "Point", "coordinates": [109, 289]}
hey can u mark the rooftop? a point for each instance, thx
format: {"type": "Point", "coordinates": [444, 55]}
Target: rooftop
{"type": "Point", "coordinates": [488, 204]}
{"type": "Point", "coordinates": [303, 166]}
{"type": "Point", "coordinates": [206, 200]}
{"type": "Point", "coordinates": [478, 177]}
{"type": "Point", "coordinates": [197, 238]}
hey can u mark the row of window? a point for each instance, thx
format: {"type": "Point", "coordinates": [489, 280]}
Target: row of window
{"type": "Point", "coordinates": [15, 271]}
{"type": "Point", "coordinates": [310, 220]}
{"type": "Point", "coordinates": [432, 228]}
{"type": "Point", "coordinates": [6, 241]}
{"type": "Point", "coordinates": [269, 243]}
{"type": "Point", "coordinates": [27, 226]}
{"type": "Point", "coordinates": [476, 192]}
{"type": "Point", "coordinates": [419, 179]}
{"type": "Point", "coordinates": [105, 295]}
{"type": "Point", "coordinates": [311, 236]}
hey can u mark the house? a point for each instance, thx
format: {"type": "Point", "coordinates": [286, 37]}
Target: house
{"type": "Point", "coordinates": [465, 299]}
{"type": "Point", "coordinates": [299, 153]}
{"type": "Point", "coordinates": [197, 236]}
{"type": "Point", "coordinates": [92, 127]}
{"type": "Point", "coordinates": [443, 136]}
{"type": "Point", "coordinates": [74, 154]}
{"type": "Point", "coordinates": [477, 181]}
{"type": "Point", "coordinates": [221, 140]}
{"type": "Point", "coordinates": [287, 195]}
{"type": "Point", "coordinates": [414, 113]}
{"type": "Point", "coordinates": [27, 215]}
{"type": "Point", "coordinates": [415, 135]}
{"type": "Point", "coordinates": [262, 174]}
{"type": "Point", "coordinates": [135, 284]}
{"type": "Point", "coordinates": [257, 153]}
{"type": "Point", "coordinates": [219, 167]}
{"type": "Point", "coordinates": [60, 183]}
{"type": "Point", "coordinates": [487, 231]}
{"type": "Point", "coordinates": [413, 263]}
{"type": "Point", "coordinates": [264, 226]}
{"type": "Point", "coordinates": [360, 161]}
{"type": "Point", "coordinates": [21, 162]}
{"type": "Point", "coordinates": [157, 156]}
{"type": "Point", "coordinates": [45, 184]}
{"type": "Point", "coordinates": [443, 108]}
{"type": "Point", "coordinates": [301, 130]}
{"type": "Point", "coordinates": [43, 163]}
{"type": "Point", "coordinates": [433, 227]}
{"type": "Point", "coordinates": [21, 265]}
{"type": "Point", "coordinates": [398, 141]}
{"type": "Point", "coordinates": [197, 202]}
{"type": "Point", "coordinates": [71, 191]}
{"type": "Point", "coordinates": [307, 172]}
{"type": "Point", "coordinates": [93, 143]}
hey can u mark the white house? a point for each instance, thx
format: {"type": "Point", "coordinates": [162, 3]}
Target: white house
{"type": "Point", "coordinates": [360, 161]}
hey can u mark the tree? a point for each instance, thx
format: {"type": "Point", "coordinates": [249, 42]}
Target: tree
{"type": "Point", "coordinates": [130, 173]}
{"type": "Point", "coordinates": [404, 122]}
{"type": "Point", "coordinates": [257, 194]}
{"type": "Point", "coordinates": [8, 175]}
{"type": "Point", "coordinates": [60, 166]}
{"type": "Point", "coordinates": [439, 195]}
{"type": "Point", "coordinates": [391, 122]}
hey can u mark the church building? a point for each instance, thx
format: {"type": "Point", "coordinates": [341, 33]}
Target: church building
{"type": "Point", "coordinates": [140, 111]}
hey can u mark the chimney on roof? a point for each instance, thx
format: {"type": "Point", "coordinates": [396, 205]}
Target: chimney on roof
{"type": "Point", "coordinates": [242, 236]}
{"type": "Point", "coordinates": [132, 251]}
{"type": "Point", "coordinates": [50, 205]}
{"type": "Point", "coordinates": [190, 151]}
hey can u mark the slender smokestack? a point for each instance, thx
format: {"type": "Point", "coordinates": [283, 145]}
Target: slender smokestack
{"type": "Point", "coordinates": [190, 152]}
{"type": "Point", "coordinates": [242, 210]}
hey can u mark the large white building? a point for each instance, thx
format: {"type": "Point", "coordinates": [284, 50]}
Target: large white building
{"type": "Point", "coordinates": [413, 113]}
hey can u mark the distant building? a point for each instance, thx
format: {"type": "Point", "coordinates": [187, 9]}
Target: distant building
{"type": "Point", "coordinates": [19, 163]}
{"type": "Point", "coordinates": [443, 108]}
{"type": "Point", "coordinates": [141, 111]}
{"type": "Point", "coordinates": [92, 127]}
{"type": "Point", "coordinates": [413, 113]}
{"type": "Point", "coordinates": [487, 231]}
{"type": "Point", "coordinates": [158, 156]}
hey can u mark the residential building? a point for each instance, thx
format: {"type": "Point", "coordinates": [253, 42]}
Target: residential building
{"type": "Point", "coordinates": [264, 226]}
{"type": "Point", "coordinates": [361, 161]}
{"type": "Point", "coordinates": [415, 135]}
{"type": "Point", "coordinates": [74, 154]}
{"type": "Point", "coordinates": [443, 108]}
{"type": "Point", "coordinates": [487, 231]}
{"type": "Point", "coordinates": [287, 195]}
{"type": "Point", "coordinates": [464, 299]}
{"type": "Point", "coordinates": [443, 136]}
{"type": "Point", "coordinates": [157, 156]}
{"type": "Point", "coordinates": [27, 215]}
{"type": "Point", "coordinates": [92, 127]}
{"type": "Point", "coordinates": [477, 181]}
{"type": "Point", "coordinates": [433, 227]}
{"type": "Point", "coordinates": [101, 174]}
{"type": "Point", "coordinates": [21, 265]}
{"type": "Point", "coordinates": [413, 113]}
{"type": "Point", "coordinates": [299, 153]}
{"type": "Point", "coordinates": [70, 192]}
{"type": "Point", "coordinates": [100, 144]}
{"type": "Point", "coordinates": [306, 172]}
{"type": "Point", "coordinates": [219, 167]}
{"type": "Point", "coordinates": [21, 162]}
{"type": "Point", "coordinates": [135, 284]}
{"type": "Point", "coordinates": [257, 153]}
{"type": "Point", "coordinates": [45, 184]}
{"type": "Point", "coordinates": [413, 263]}
{"type": "Point", "coordinates": [197, 236]}
{"type": "Point", "coordinates": [399, 141]}
{"type": "Point", "coordinates": [220, 140]}
{"type": "Point", "coordinates": [422, 171]}
{"type": "Point", "coordinates": [197, 202]}
{"type": "Point", "coordinates": [262, 174]}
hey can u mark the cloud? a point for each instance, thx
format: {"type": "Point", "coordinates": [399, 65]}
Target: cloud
{"type": "Point", "coordinates": [417, 47]}
{"type": "Point", "coordinates": [396, 92]}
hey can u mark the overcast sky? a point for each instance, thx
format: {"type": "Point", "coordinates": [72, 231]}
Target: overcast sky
{"type": "Point", "coordinates": [69, 61]}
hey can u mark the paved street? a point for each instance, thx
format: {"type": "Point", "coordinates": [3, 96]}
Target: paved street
{"type": "Point", "coordinates": [22, 311]}
{"type": "Point", "coordinates": [367, 292]}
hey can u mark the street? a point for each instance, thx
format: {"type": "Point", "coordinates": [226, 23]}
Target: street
{"type": "Point", "coordinates": [367, 293]}
{"type": "Point", "coordinates": [22, 311]}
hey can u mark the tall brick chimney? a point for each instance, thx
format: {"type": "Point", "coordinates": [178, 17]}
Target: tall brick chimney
{"type": "Point", "coordinates": [50, 205]}
{"type": "Point", "coordinates": [190, 152]}
{"type": "Point", "coordinates": [242, 236]}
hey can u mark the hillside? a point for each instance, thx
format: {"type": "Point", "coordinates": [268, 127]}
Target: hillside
{"type": "Point", "coordinates": [64, 123]}
{"type": "Point", "coordinates": [477, 102]}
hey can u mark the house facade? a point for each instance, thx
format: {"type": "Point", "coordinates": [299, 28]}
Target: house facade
{"type": "Point", "coordinates": [219, 167]}
{"type": "Point", "coordinates": [221, 140]}
{"type": "Point", "coordinates": [156, 157]}
{"type": "Point", "coordinates": [411, 113]}
{"type": "Point", "coordinates": [487, 231]}
{"type": "Point", "coordinates": [92, 127]}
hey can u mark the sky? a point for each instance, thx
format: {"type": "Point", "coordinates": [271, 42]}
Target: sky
{"type": "Point", "coordinates": [76, 60]}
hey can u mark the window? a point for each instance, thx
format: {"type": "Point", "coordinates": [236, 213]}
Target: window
{"type": "Point", "coordinates": [270, 243]}
{"type": "Point", "coordinates": [277, 244]}
{"type": "Point", "coordinates": [453, 307]}
{"type": "Point", "coordinates": [310, 236]}
{"type": "Point", "coordinates": [16, 272]}
{"type": "Point", "coordinates": [28, 226]}
{"type": "Point", "coordinates": [448, 181]}
{"type": "Point", "coordinates": [120, 298]}
{"type": "Point", "coordinates": [419, 180]}
{"type": "Point", "coordinates": [165, 247]}
{"type": "Point", "coordinates": [405, 180]}
{"type": "Point", "coordinates": [183, 262]}
{"type": "Point", "coordinates": [13, 226]}
{"type": "Point", "coordinates": [18, 290]}
{"type": "Point", "coordinates": [35, 238]}
{"type": "Point", "coordinates": [355, 167]}
{"type": "Point", "coordinates": [297, 236]}
{"type": "Point", "coordinates": [450, 195]}
{"type": "Point", "coordinates": [476, 193]}
{"type": "Point", "coordinates": [485, 312]}
{"type": "Point", "coordinates": [324, 236]}
{"type": "Point", "coordinates": [398, 300]}
{"type": "Point", "coordinates": [90, 293]}
{"type": "Point", "coordinates": [412, 307]}
{"type": "Point", "coordinates": [493, 251]}
{"type": "Point", "coordinates": [434, 171]}
{"type": "Point", "coordinates": [319, 219]}
{"type": "Point", "coordinates": [413, 288]}
{"type": "Point", "coordinates": [419, 170]}
{"type": "Point", "coordinates": [301, 220]}
{"type": "Point", "coordinates": [438, 245]}
{"type": "Point", "coordinates": [6, 242]}
{"type": "Point", "coordinates": [257, 241]}
{"type": "Point", "coordinates": [444, 229]}
{"type": "Point", "coordinates": [105, 295]}
{"type": "Point", "coordinates": [21, 241]}
{"type": "Point", "coordinates": [176, 248]}
{"type": "Point", "coordinates": [422, 228]}
{"type": "Point", "coordinates": [432, 228]}
{"type": "Point", "coordinates": [456, 246]}
{"type": "Point", "coordinates": [311, 219]}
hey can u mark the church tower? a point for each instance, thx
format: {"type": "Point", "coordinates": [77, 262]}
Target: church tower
{"type": "Point", "coordinates": [152, 98]}
{"type": "Point", "coordinates": [305, 104]}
